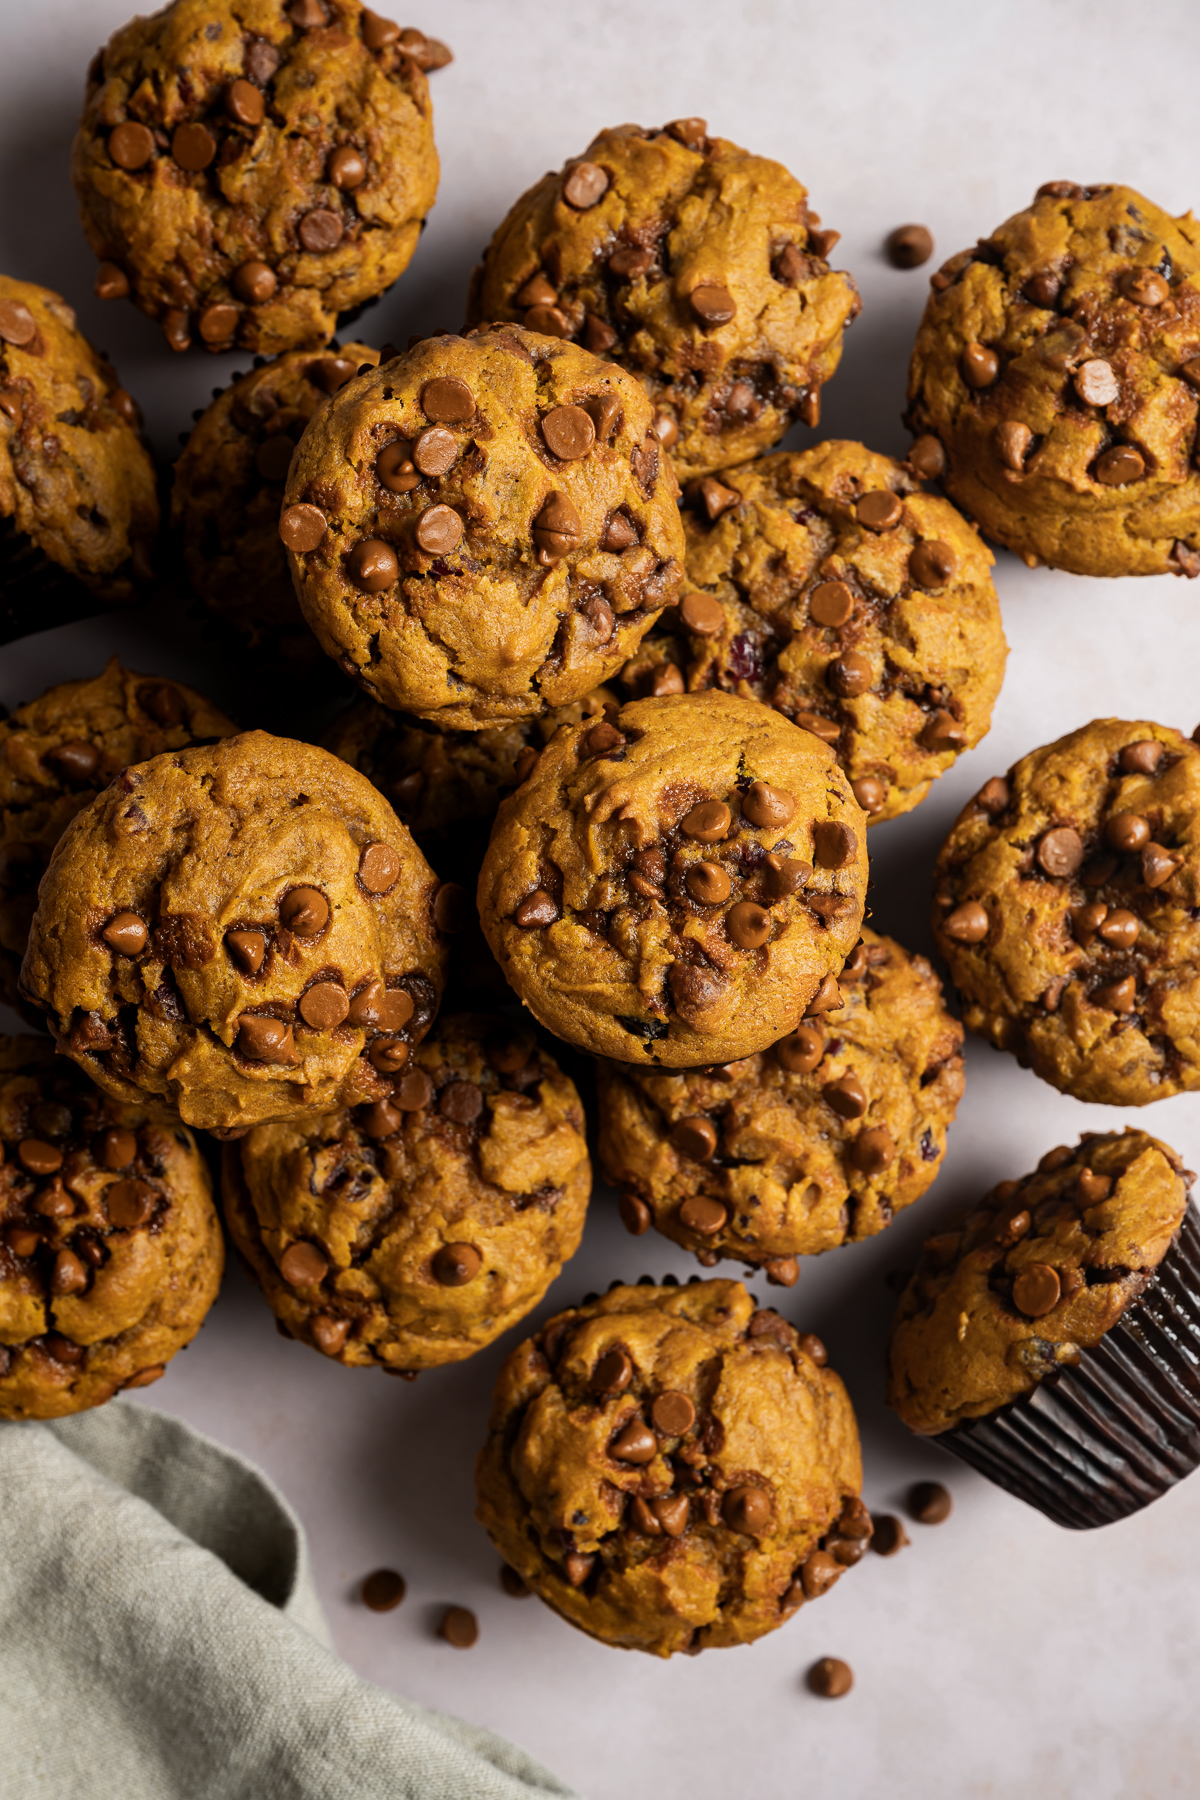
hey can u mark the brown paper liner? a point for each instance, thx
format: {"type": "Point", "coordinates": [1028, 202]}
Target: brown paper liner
{"type": "Point", "coordinates": [1095, 1443]}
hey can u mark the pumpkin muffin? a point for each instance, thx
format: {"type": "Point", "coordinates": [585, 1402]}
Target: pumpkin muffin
{"type": "Point", "coordinates": [1054, 383]}
{"type": "Point", "coordinates": [110, 1247]}
{"type": "Point", "coordinates": [696, 266]}
{"type": "Point", "coordinates": [484, 528]}
{"type": "Point", "coordinates": [1066, 903]}
{"type": "Point", "coordinates": [678, 885]}
{"type": "Point", "coordinates": [413, 1231]}
{"type": "Point", "coordinates": [245, 932]}
{"type": "Point", "coordinates": [671, 1469]}
{"type": "Point", "coordinates": [247, 170]}
{"type": "Point", "coordinates": [817, 1142]}
{"type": "Point", "coordinates": [830, 585]}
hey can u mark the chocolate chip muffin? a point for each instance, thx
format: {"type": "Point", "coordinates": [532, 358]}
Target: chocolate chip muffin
{"type": "Point", "coordinates": [696, 266]}
{"type": "Point", "coordinates": [1065, 902]}
{"type": "Point", "coordinates": [1051, 1336]}
{"type": "Point", "coordinates": [1054, 383]}
{"type": "Point", "coordinates": [56, 753]}
{"type": "Point", "coordinates": [245, 932]}
{"type": "Point", "coordinates": [830, 585]}
{"type": "Point", "coordinates": [678, 885]}
{"type": "Point", "coordinates": [228, 487]}
{"type": "Point", "coordinates": [248, 169]}
{"type": "Point", "coordinates": [671, 1469]}
{"type": "Point", "coordinates": [413, 1231]}
{"type": "Point", "coordinates": [814, 1143]}
{"type": "Point", "coordinates": [110, 1247]}
{"type": "Point", "coordinates": [76, 482]}
{"type": "Point", "coordinates": [483, 528]}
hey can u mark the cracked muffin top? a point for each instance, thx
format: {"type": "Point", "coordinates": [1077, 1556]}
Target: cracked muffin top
{"type": "Point", "coordinates": [1065, 902]}
{"type": "Point", "coordinates": [75, 475]}
{"type": "Point", "coordinates": [110, 1247]}
{"type": "Point", "coordinates": [245, 932]}
{"type": "Point", "coordinates": [483, 528]}
{"type": "Point", "coordinates": [816, 1142]}
{"type": "Point", "coordinates": [692, 263]}
{"type": "Point", "coordinates": [672, 1469]}
{"type": "Point", "coordinates": [56, 753]}
{"type": "Point", "coordinates": [679, 884]}
{"type": "Point", "coordinates": [1014, 1290]}
{"type": "Point", "coordinates": [413, 1231]}
{"type": "Point", "coordinates": [829, 584]}
{"type": "Point", "coordinates": [246, 170]}
{"type": "Point", "coordinates": [1054, 383]}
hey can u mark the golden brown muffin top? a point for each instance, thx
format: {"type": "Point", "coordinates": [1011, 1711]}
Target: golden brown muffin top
{"type": "Point", "coordinates": [679, 884]}
{"type": "Point", "coordinates": [1038, 1272]}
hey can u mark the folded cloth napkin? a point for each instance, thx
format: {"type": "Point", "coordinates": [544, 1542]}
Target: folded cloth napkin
{"type": "Point", "coordinates": [160, 1637]}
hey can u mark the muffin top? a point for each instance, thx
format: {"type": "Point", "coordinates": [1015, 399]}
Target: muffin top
{"type": "Point", "coordinates": [1038, 1272]}
{"type": "Point", "coordinates": [678, 885]}
{"type": "Point", "coordinates": [484, 527]}
{"type": "Point", "coordinates": [829, 584]}
{"type": "Point", "coordinates": [662, 1463]}
{"type": "Point", "coordinates": [245, 931]}
{"type": "Point", "coordinates": [413, 1231]}
{"type": "Point", "coordinates": [247, 170]}
{"type": "Point", "coordinates": [75, 475]}
{"type": "Point", "coordinates": [814, 1143]}
{"type": "Point", "coordinates": [1065, 903]}
{"type": "Point", "coordinates": [1056, 366]}
{"type": "Point", "coordinates": [697, 266]}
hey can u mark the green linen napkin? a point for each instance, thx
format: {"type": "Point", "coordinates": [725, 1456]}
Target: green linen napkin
{"type": "Point", "coordinates": [160, 1637]}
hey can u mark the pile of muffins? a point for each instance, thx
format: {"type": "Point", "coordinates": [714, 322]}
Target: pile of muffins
{"type": "Point", "coordinates": [634, 686]}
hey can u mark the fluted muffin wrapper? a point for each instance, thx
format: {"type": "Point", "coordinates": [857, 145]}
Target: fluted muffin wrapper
{"type": "Point", "coordinates": [35, 593]}
{"type": "Point", "coordinates": [1095, 1443]}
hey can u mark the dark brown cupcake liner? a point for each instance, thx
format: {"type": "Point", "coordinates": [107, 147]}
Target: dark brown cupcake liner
{"type": "Point", "coordinates": [1095, 1443]}
{"type": "Point", "coordinates": [35, 594]}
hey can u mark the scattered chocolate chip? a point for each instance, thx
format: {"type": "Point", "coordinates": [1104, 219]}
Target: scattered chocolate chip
{"type": "Point", "coordinates": [889, 1535]}
{"type": "Point", "coordinates": [967, 924]}
{"type": "Point", "coordinates": [827, 998]}
{"type": "Point", "coordinates": [129, 1203]}
{"type": "Point", "coordinates": [569, 432]}
{"type": "Point", "coordinates": [263, 1039]}
{"type": "Point", "coordinates": [908, 246]}
{"type": "Point", "coordinates": [346, 168]}
{"type": "Point", "coordinates": [708, 883]}
{"type": "Point", "coordinates": [1120, 928]}
{"type": "Point", "coordinates": [330, 1333]}
{"type": "Point", "coordinates": [702, 614]}
{"type": "Point", "coordinates": [879, 510]}
{"type": "Point", "coordinates": [382, 1119]}
{"type": "Point", "coordinates": [713, 305]}
{"type": "Point", "coordinates": [304, 911]}
{"type": "Point", "coordinates": [38, 1157]}
{"type": "Point", "coordinates": [302, 528]}
{"type": "Point", "coordinates": [176, 329]}
{"type": "Point", "coordinates": [672, 1413]}
{"type": "Point", "coordinates": [695, 1137]}
{"type": "Point", "coordinates": [262, 60]}
{"type": "Point", "coordinates": [248, 949]}
{"type": "Point", "coordinates": [831, 603]}
{"type": "Point", "coordinates": [980, 366]}
{"type": "Point", "coordinates": [1141, 758]}
{"type": "Point", "coordinates": [871, 793]}
{"type": "Point", "coordinates": [373, 565]}
{"type": "Point", "coordinates": [850, 674]}
{"type": "Point", "coordinates": [748, 925]}
{"type": "Point", "coordinates": [303, 1265]}
{"type": "Point", "coordinates": [112, 283]}
{"type": "Point", "coordinates": [929, 1503]}
{"type": "Point", "coordinates": [1145, 287]}
{"type": "Point", "coordinates": [75, 761]}
{"type": "Point", "coordinates": [1096, 382]}
{"type": "Point", "coordinates": [1127, 832]}
{"type": "Point", "coordinates": [1158, 865]}
{"type": "Point", "coordinates": [702, 1215]}
{"type": "Point", "coordinates": [830, 1678]}
{"type": "Point", "coordinates": [324, 1005]}
{"type": "Point", "coordinates": [514, 1585]}
{"type": "Point", "coordinates": [193, 147]}
{"type": "Point", "coordinates": [130, 146]}
{"type": "Point", "coordinates": [873, 1150]}
{"type": "Point", "coordinates": [1012, 441]}
{"type": "Point", "coordinates": [383, 1590]}
{"type": "Point", "coordinates": [395, 469]}
{"type": "Point", "coordinates": [931, 565]}
{"type": "Point", "coordinates": [800, 1053]}
{"type": "Point", "coordinates": [767, 806]}
{"type": "Point", "coordinates": [388, 1055]}
{"type": "Point", "coordinates": [454, 1265]}
{"type": "Point", "coordinates": [558, 528]}
{"type": "Point", "coordinates": [586, 184]}
{"type": "Point", "coordinates": [927, 458]}
{"type": "Point", "coordinates": [578, 1567]}
{"type": "Point", "coordinates": [320, 231]}
{"type": "Point", "coordinates": [1116, 996]}
{"type": "Point", "coordinates": [413, 1092]}
{"type": "Point", "coordinates": [459, 1627]}
{"type": "Point", "coordinates": [846, 1096]}
{"type": "Point", "coordinates": [1120, 465]}
{"type": "Point", "coordinates": [434, 451]}
{"type": "Point", "coordinates": [834, 845]}
{"type": "Point", "coordinates": [536, 910]}
{"type": "Point", "coordinates": [635, 1214]}
{"type": "Point", "coordinates": [1060, 851]}
{"type": "Point", "coordinates": [379, 868]}
{"type": "Point", "coordinates": [747, 1509]}
{"type": "Point", "coordinates": [1037, 1289]}
{"type": "Point", "coordinates": [600, 738]}
{"type": "Point", "coordinates": [634, 1444]}
{"type": "Point", "coordinates": [716, 497]}
{"type": "Point", "coordinates": [1091, 1188]}
{"type": "Point", "coordinates": [117, 1148]}
{"type": "Point", "coordinates": [126, 933]}
{"type": "Point", "coordinates": [785, 875]}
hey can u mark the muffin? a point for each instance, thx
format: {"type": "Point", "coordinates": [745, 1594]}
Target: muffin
{"type": "Point", "coordinates": [484, 528]}
{"type": "Point", "coordinates": [1051, 1337]}
{"type": "Point", "coordinates": [696, 266]}
{"type": "Point", "coordinates": [77, 490]}
{"type": "Point", "coordinates": [245, 932]}
{"type": "Point", "coordinates": [227, 491]}
{"type": "Point", "coordinates": [814, 1143]}
{"type": "Point", "coordinates": [56, 753]}
{"type": "Point", "coordinates": [671, 1469]}
{"type": "Point", "coordinates": [413, 1231]}
{"type": "Point", "coordinates": [1065, 903]}
{"type": "Point", "coordinates": [110, 1247]}
{"type": "Point", "coordinates": [679, 885]}
{"type": "Point", "coordinates": [248, 170]}
{"type": "Point", "coordinates": [830, 585]}
{"type": "Point", "coordinates": [1054, 378]}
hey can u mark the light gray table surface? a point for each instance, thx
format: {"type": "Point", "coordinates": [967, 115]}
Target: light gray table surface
{"type": "Point", "coordinates": [999, 1654]}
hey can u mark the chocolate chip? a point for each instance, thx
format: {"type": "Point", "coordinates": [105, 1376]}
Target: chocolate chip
{"type": "Point", "coordinates": [635, 1214]}
{"type": "Point", "coordinates": [536, 910]}
{"type": "Point", "coordinates": [578, 1567]}
{"type": "Point", "coordinates": [378, 33]}
{"type": "Point", "coordinates": [1141, 758]}
{"type": "Point", "coordinates": [716, 497]}
{"type": "Point", "coordinates": [672, 1413]}
{"type": "Point", "coordinates": [389, 1009]}
{"type": "Point", "coordinates": [175, 328]}
{"type": "Point", "coordinates": [388, 1055]}
{"type": "Point", "coordinates": [1120, 929]}
{"type": "Point", "coordinates": [929, 1503]}
{"type": "Point", "coordinates": [273, 458]}
{"type": "Point", "coordinates": [454, 1265]}
{"type": "Point", "coordinates": [1145, 287]}
{"type": "Point", "coordinates": [1127, 831]}
{"type": "Point", "coordinates": [302, 528]}
{"type": "Point", "coordinates": [879, 510]}
{"type": "Point", "coordinates": [835, 846]}
{"type": "Point", "coordinates": [262, 60]}
{"type": "Point", "coordinates": [130, 146]}
{"type": "Point", "coordinates": [330, 1333]}
{"type": "Point", "coordinates": [1116, 996]}
{"type": "Point", "coordinates": [942, 732]}
{"type": "Point", "coordinates": [671, 1512]}
{"type": "Point", "coordinates": [75, 761]}
{"type": "Point", "coordinates": [69, 1276]}
{"type": "Point", "coordinates": [1091, 1188]}
{"type": "Point", "coordinates": [830, 1678]}
{"type": "Point", "coordinates": [967, 924]}
{"type": "Point", "coordinates": [831, 603]}
{"type": "Point", "coordinates": [54, 1202]}
{"type": "Point", "coordinates": [513, 1584]}
{"type": "Point", "coordinates": [931, 564]}
{"type": "Point", "coordinates": [263, 1039]}
{"type": "Point", "coordinates": [248, 948]}
{"type": "Point", "coordinates": [193, 147]}
{"type": "Point", "coordinates": [707, 823]}
{"type": "Point", "coordinates": [666, 679]}
{"type": "Point", "coordinates": [926, 457]}
{"type": "Point", "coordinates": [598, 336]}
{"type": "Point", "coordinates": [585, 185]}
{"type": "Point", "coordinates": [1036, 1290]}
{"type": "Point", "coordinates": [634, 1444]}
{"type": "Point", "coordinates": [218, 323]}
{"type": "Point", "coordinates": [557, 528]}
{"type": "Point", "coordinates": [980, 366]}
{"type": "Point", "coordinates": [324, 1005]}
{"type": "Point", "coordinates": [1158, 865]}
{"type": "Point", "coordinates": [708, 883]}
{"type": "Point", "coordinates": [116, 1148]}
{"type": "Point", "coordinates": [1096, 382]}
{"type": "Point", "coordinates": [38, 1157]}
{"type": "Point", "coordinates": [331, 373]}
{"type": "Point", "coordinates": [1120, 465]}
{"type": "Point", "coordinates": [665, 430]}
{"type": "Point", "coordinates": [1012, 441]}
{"type": "Point", "coordinates": [381, 1120]}
{"type": "Point", "coordinates": [447, 401]}
{"type": "Point", "coordinates": [871, 793]}
{"type": "Point", "coordinates": [304, 911]}
{"type": "Point", "coordinates": [537, 291]}
{"type": "Point", "coordinates": [23, 1242]}
{"type": "Point", "coordinates": [703, 1216]}
{"type": "Point", "coordinates": [767, 806]}
{"type": "Point", "coordinates": [569, 432]}
{"type": "Point", "coordinates": [747, 1509]}
{"type": "Point", "coordinates": [462, 1102]}
{"type": "Point", "coordinates": [320, 231]}
{"type": "Point", "coordinates": [126, 933]}
{"type": "Point", "coordinates": [303, 1265]}
{"type": "Point", "coordinates": [346, 168]}
{"type": "Point", "coordinates": [244, 103]}
{"type": "Point", "coordinates": [908, 246]}
{"type": "Point", "coordinates": [459, 1627]}
{"type": "Point", "coordinates": [413, 1092]}
{"type": "Point", "coordinates": [395, 469]}
{"type": "Point", "coordinates": [850, 674]}
{"type": "Point", "coordinates": [846, 1096]}
{"type": "Point", "coordinates": [612, 1373]}
{"type": "Point", "coordinates": [550, 321]}
{"type": "Point", "coordinates": [129, 1204]}
{"type": "Point", "coordinates": [889, 1535]}
{"type": "Point", "coordinates": [1060, 851]}
{"type": "Point", "coordinates": [600, 739]}
{"type": "Point", "coordinates": [383, 1590]}
{"type": "Point", "coordinates": [800, 1053]}
{"type": "Point", "coordinates": [695, 1136]}
{"type": "Point", "coordinates": [702, 614]}
{"type": "Point", "coordinates": [308, 15]}
{"type": "Point", "coordinates": [713, 305]}
{"type": "Point", "coordinates": [785, 875]}
{"type": "Point", "coordinates": [748, 925]}
{"type": "Point", "coordinates": [379, 868]}
{"type": "Point", "coordinates": [873, 1150]}
{"type": "Point", "coordinates": [373, 565]}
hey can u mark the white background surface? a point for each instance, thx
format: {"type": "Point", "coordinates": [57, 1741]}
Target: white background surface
{"type": "Point", "coordinates": [999, 1654]}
